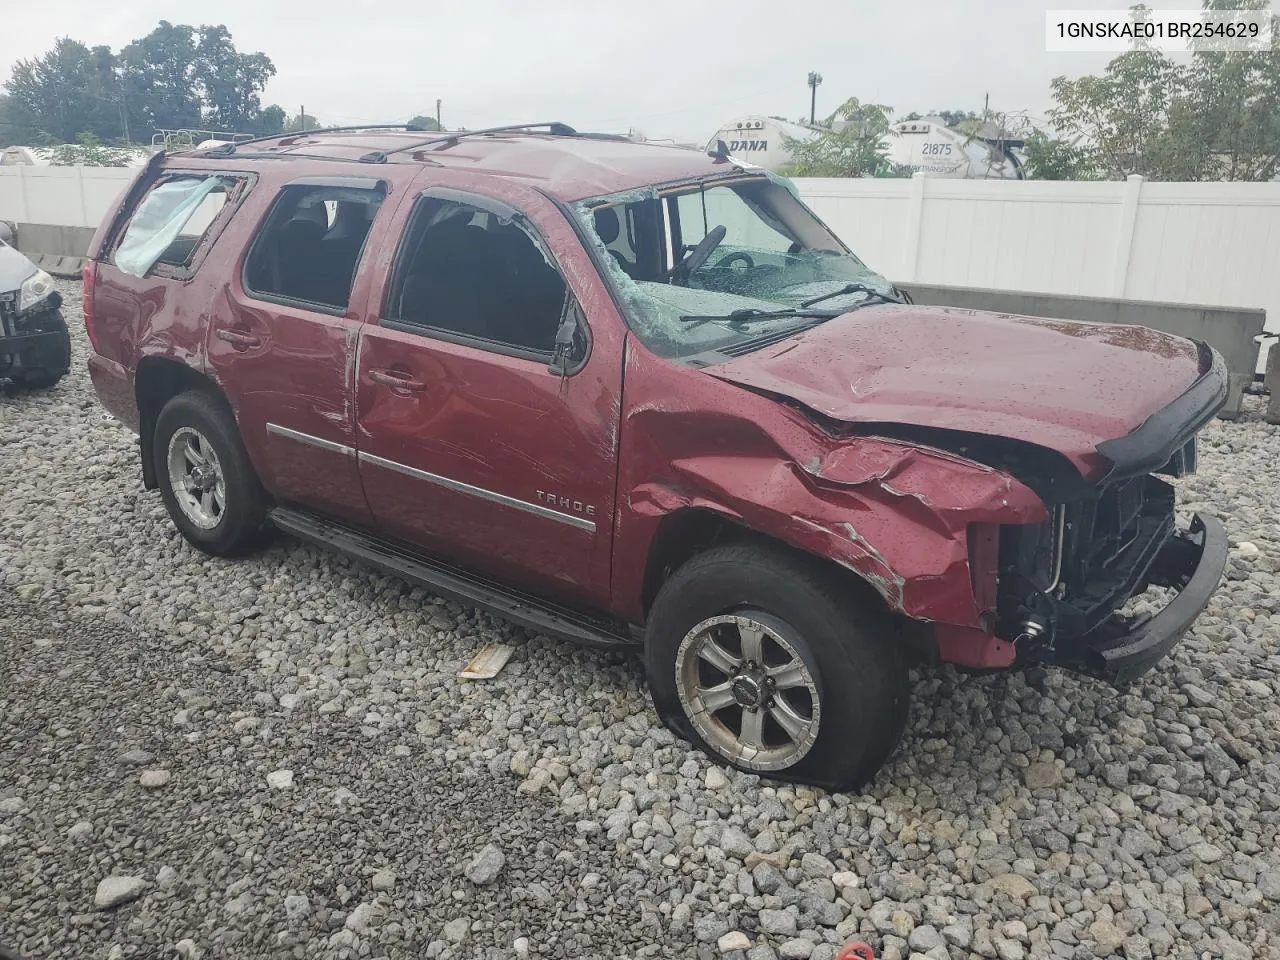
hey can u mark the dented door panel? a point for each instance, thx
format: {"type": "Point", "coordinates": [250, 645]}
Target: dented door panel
{"type": "Point", "coordinates": [288, 372]}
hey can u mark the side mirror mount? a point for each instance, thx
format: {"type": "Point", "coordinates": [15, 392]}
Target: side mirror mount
{"type": "Point", "coordinates": [562, 351]}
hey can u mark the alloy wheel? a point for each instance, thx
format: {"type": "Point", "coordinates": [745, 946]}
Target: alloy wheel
{"type": "Point", "coordinates": [748, 691]}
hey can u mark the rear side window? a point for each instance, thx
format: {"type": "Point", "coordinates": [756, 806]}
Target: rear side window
{"type": "Point", "coordinates": [170, 224]}
{"type": "Point", "coordinates": [310, 245]}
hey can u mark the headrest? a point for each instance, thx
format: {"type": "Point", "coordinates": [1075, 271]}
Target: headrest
{"type": "Point", "coordinates": [607, 226]}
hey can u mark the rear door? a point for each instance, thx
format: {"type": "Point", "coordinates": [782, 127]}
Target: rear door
{"type": "Point", "coordinates": [469, 444]}
{"type": "Point", "coordinates": [283, 338]}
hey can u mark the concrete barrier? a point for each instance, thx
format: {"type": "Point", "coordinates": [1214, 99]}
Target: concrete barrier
{"type": "Point", "coordinates": [1272, 383]}
{"type": "Point", "coordinates": [61, 250]}
{"type": "Point", "coordinates": [1232, 331]}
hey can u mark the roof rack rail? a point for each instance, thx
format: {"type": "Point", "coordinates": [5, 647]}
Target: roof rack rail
{"type": "Point", "coordinates": [445, 139]}
{"type": "Point", "coordinates": [231, 147]}
{"type": "Point", "coordinates": [554, 127]}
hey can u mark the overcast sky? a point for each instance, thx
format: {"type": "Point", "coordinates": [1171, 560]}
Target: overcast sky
{"type": "Point", "coordinates": [669, 68]}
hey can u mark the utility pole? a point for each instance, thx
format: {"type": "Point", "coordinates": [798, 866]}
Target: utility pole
{"type": "Point", "coordinates": [814, 80]}
{"type": "Point", "coordinates": [438, 113]}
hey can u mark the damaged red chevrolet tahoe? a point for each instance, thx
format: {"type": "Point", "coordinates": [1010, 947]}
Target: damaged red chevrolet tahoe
{"type": "Point", "coordinates": [634, 395]}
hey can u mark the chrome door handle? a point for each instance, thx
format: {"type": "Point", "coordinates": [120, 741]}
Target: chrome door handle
{"type": "Point", "coordinates": [398, 380]}
{"type": "Point", "coordinates": [238, 339]}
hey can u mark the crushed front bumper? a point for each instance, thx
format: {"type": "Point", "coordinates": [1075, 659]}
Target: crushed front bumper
{"type": "Point", "coordinates": [1124, 648]}
{"type": "Point", "coordinates": [46, 350]}
{"type": "Point", "coordinates": [35, 343]}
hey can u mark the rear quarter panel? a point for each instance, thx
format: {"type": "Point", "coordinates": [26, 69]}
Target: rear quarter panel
{"type": "Point", "coordinates": [137, 317]}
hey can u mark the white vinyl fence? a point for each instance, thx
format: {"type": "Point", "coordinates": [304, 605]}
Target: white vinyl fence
{"type": "Point", "coordinates": [1216, 244]}
{"type": "Point", "coordinates": [60, 196]}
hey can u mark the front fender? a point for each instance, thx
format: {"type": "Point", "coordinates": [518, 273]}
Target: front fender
{"type": "Point", "coordinates": [895, 514]}
{"type": "Point", "coordinates": [902, 527]}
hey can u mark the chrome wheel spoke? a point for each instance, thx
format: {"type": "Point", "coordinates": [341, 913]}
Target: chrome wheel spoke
{"type": "Point", "coordinates": [795, 726]}
{"type": "Point", "coordinates": [752, 733]}
{"type": "Point", "coordinates": [752, 643]}
{"type": "Point", "coordinates": [718, 656]}
{"type": "Point", "coordinates": [789, 675]}
{"type": "Point", "coordinates": [717, 697]}
{"type": "Point", "coordinates": [195, 477]}
{"type": "Point", "coordinates": [760, 710]}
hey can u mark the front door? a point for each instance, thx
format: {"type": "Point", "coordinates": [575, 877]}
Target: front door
{"type": "Point", "coordinates": [469, 444]}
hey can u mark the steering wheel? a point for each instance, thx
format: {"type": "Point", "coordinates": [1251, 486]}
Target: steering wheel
{"type": "Point", "coordinates": [739, 257]}
{"type": "Point", "coordinates": [699, 254]}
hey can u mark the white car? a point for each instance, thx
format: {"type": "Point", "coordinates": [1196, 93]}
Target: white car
{"type": "Point", "coordinates": [35, 348]}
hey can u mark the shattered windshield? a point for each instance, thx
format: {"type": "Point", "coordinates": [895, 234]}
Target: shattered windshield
{"type": "Point", "coordinates": [715, 265]}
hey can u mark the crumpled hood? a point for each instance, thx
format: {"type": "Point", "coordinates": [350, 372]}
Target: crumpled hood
{"type": "Point", "coordinates": [1057, 383]}
{"type": "Point", "coordinates": [14, 268]}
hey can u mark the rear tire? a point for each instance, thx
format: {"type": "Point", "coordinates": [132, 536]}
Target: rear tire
{"type": "Point", "coordinates": [206, 480]}
{"type": "Point", "coordinates": [776, 665]}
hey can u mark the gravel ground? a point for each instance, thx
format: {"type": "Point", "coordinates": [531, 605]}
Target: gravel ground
{"type": "Point", "coordinates": [274, 758]}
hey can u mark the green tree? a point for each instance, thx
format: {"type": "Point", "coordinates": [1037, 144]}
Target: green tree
{"type": "Point", "coordinates": [1225, 123]}
{"type": "Point", "coordinates": [1046, 157]}
{"type": "Point", "coordinates": [87, 151]}
{"type": "Point", "coordinates": [270, 120]}
{"type": "Point", "coordinates": [1123, 114]}
{"type": "Point", "coordinates": [14, 128]}
{"type": "Point", "coordinates": [851, 143]}
{"type": "Point", "coordinates": [953, 118]}
{"type": "Point", "coordinates": [176, 77]}
{"type": "Point", "coordinates": [229, 82]}
{"type": "Point", "coordinates": [158, 73]}
{"type": "Point", "coordinates": [423, 122]}
{"type": "Point", "coordinates": [1216, 118]}
{"type": "Point", "coordinates": [72, 89]}
{"type": "Point", "coordinates": [301, 121]}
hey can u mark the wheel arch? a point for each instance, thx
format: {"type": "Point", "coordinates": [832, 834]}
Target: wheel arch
{"type": "Point", "coordinates": [157, 381]}
{"type": "Point", "coordinates": [684, 533]}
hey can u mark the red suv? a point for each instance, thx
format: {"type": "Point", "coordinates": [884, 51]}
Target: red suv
{"type": "Point", "coordinates": [637, 395]}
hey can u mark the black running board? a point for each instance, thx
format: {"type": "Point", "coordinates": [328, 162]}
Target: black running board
{"type": "Point", "coordinates": [451, 581]}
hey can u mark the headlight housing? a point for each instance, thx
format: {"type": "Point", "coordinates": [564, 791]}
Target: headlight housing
{"type": "Point", "coordinates": [35, 289]}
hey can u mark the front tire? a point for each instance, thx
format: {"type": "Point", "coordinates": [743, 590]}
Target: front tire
{"type": "Point", "coordinates": [41, 379]}
{"type": "Point", "coordinates": [775, 665]}
{"type": "Point", "coordinates": [208, 485]}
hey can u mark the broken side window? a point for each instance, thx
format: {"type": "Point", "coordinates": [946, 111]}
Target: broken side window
{"type": "Point", "coordinates": [170, 222]}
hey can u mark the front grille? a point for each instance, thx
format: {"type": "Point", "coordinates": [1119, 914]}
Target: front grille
{"type": "Point", "coordinates": [9, 314]}
{"type": "Point", "coordinates": [1109, 528]}
{"type": "Point", "coordinates": [1107, 547]}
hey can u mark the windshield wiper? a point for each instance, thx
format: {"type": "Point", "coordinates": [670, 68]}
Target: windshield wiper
{"type": "Point", "coordinates": [851, 288]}
{"type": "Point", "coordinates": [748, 314]}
